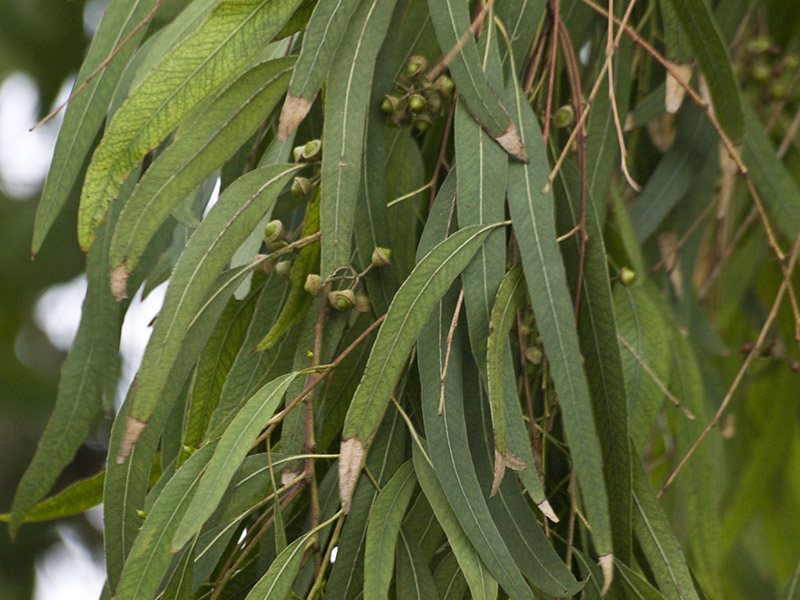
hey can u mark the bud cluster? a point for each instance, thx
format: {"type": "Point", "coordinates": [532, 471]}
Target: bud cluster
{"type": "Point", "coordinates": [416, 100]}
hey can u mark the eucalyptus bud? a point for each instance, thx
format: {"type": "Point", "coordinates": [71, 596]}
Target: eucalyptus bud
{"type": "Point", "coordinates": [363, 304]}
{"type": "Point", "coordinates": [389, 104]}
{"type": "Point", "coordinates": [141, 514]}
{"type": "Point", "coordinates": [533, 355]}
{"type": "Point", "coordinates": [626, 276]}
{"type": "Point", "coordinates": [422, 122]}
{"type": "Point", "coordinates": [401, 118]}
{"type": "Point", "coordinates": [273, 230]}
{"type": "Point", "coordinates": [434, 102]}
{"type": "Point", "coordinates": [381, 257]}
{"type": "Point", "coordinates": [342, 299]}
{"type": "Point", "coordinates": [311, 149]}
{"type": "Point", "coordinates": [301, 186]}
{"type": "Point", "coordinates": [759, 45]}
{"type": "Point", "coordinates": [444, 85]}
{"type": "Point", "coordinates": [266, 266]}
{"type": "Point", "coordinates": [314, 284]}
{"type": "Point", "coordinates": [297, 153]}
{"type": "Point", "coordinates": [564, 116]}
{"type": "Point", "coordinates": [416, 65]}
{"type": "Point", "coordinates": [417, 103]}
{"type": "Point", "coordinates": [284, 268]}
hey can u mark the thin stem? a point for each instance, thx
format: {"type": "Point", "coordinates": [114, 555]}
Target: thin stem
{"type": "Point", "coordinates": [450, 333]}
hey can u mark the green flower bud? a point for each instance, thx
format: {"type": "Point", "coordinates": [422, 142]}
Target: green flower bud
{"type": "Point", "coordinates": [533, 354]}
{"type": "Point", "coordinates": [342, 299]}
{"type": "Point", "coordinates": [381, 257]}
{"type": "Point", "coordinates": [389, 104]}
{"type": "Point", "coordinates": [759, 45]}
{"type": "Point", "coordinates": [314, 284]}
{"type": "Point", "coordinates": [791, 62]}
{"type": "Point", "coordinates": [777, 90]}
{"type": "Point", "coordinates": [284, 268]}
{"type": "Point", "coordinates": [626, 276]}
{"type": "Point", "coordinates": [301, 186]}
{"type": "Point", "coordinates": [444, 85]}
{"type": "Point", "coordinates": [273, 230]}
{"type": "Point", "coordinates": [761, 72]}
{"type": "Point", "coordinates": [423, 122]}
{"type": "Point", "coordinates": [311, 149]}
{"type": "Point", "coordinates": [434, 102]}
{"type": "Point", "coordinates": [297, 153]}
{"type": "Point", "coordinates": [564, 116]}
{"type": "Point", "coordinates": [417, 103]}
{"type": "Point", "coordinates": [141, 514]}
{"type": "Point", "coordinates": [363, 304]}
{"type": "Point", "coordinates": [416, 65]}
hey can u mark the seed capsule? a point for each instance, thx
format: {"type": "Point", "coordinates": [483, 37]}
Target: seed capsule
{"type": "Point", "coordinates": [417, 103]}
{"type": "Point", "coordinates": [381, 257]}
{"type": "Point", "coordinates": [314, 284]}
{"type": "Point", "coordinates": [422, 123]}
{"type": "Point", "coordinates": [416, 65]}
{"type": "Point", "coordinates": [564, 116]}
{"type": "Point", "coordinates": [284, 268]}
{"type": "Point", "coordinates": [626, 276]}
{"type": "Point", "coordinates": [342, 299]}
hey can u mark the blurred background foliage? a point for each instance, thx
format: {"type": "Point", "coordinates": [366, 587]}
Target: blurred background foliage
{"type": "Point", "coordinates": [45, 40]}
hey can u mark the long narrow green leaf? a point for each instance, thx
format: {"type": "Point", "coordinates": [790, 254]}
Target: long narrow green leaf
{"type": "Point", "coordinates": [227, 225]}
{"type": "Point", "coordinates": [521, 20]}
{"type": "Point", "coordinates": [126, 484]}
{"type": "Point", "coordinates": [451, 22]}
{"type": "Point", "coordinates": [481, 584]}
{"type": "Point", "coordinates": [73, 500]}
{"type": "Point", "coordinates": [482, 173]}
{"type": "Point", "coordinates": [534, 223]}
{"type": "Point", "coordinates": [509, 299]}
{"type": "Point", "coordinates": [449, 579]}
{"type": "Point", "coordinates": [636, 586]}
{"type": "Point", "coordinates": [382, 530]}
{"type": "Point", "coordinates": [230, 452]}
{"type": "Point", "coordinates": [414, 580]}
{"type": "Point", "coordinates": [321, 39]}
{"type": "Point", "coordinates": [196, 68]}
{"type": "Point", "coordinates": [658, 543]}
{"type": "Point", "coordinates": [406, 318]}
{"type": "Point", "coordinates": [708, 44]}
{"type": "Point", "coordinates": [597, 330]}
{"type": "Point", "coordinates": [87, 110]}
{"type": "Point", "coordinates": [449, 446]}
{"type": "Point", "coordinates": [150, 555]}
{"type": "Point", "coordinates": [202, 147]}
{"type": "Point", "coordinates": [346, 98]}
{"type": "Point", "coordinates": [532, 551]}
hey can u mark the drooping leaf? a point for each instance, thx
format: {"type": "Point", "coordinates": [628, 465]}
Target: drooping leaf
{"type": "Point", "coordinates": [534, 224]}
{"type": "Point", "coordinates": [229, 454]}
{"type": "Point", "coordinates": [228, 223]}
{"type": "Point", "coordinates": [346, 97]}
{"type": "Point", "coordinates": [196, 68]}
{"type": "Point", "coordinates": [87, 110]}
{"type": "Point", "coordinates": [73, 500]}
{"type": "Point", "coordinates": [198, 151]}
{"type": "Point", "coordinates": [324, 33]}
{"type": "Point", "coordinates": [383, 529]}
{"type": "Point", "coordinates": [451, 22]}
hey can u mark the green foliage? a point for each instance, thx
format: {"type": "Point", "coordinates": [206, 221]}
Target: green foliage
{"type": "Point", "coordinates": [459, 403]}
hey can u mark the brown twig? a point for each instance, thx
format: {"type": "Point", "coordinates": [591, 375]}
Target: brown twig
{"type": "Point", "coordinates": [101, 66]}
{"type": "Point", "coordinates": [450, 333]}
{"type": "Point", "coordinates": [442, 149]}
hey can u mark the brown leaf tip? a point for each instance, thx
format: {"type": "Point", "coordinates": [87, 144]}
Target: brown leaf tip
{"type": "Point", "coordinates": [511, 143]}
{"type": "Point", "coordinates": [606, 562]}
{"type": "Point", "coordinates": [294, 110]}
{"type": "Point", "coordinates": [351, 457]}
{"type": "Point", "coordinates": [548, 511]}
{"type": "Point", "coordinates": [133, 429]}
{"type": "Point", "coordinates": [119, 281]}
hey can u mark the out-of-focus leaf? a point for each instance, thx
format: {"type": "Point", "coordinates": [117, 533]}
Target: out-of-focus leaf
{"type": "Point", "coordinates": [228, 223]}
{"type": "Point", "coordinates": [346, 97]}
{"type": "Point", "coordinates": [87, 110]}
{"type": "Point", "coordinates": [521, 20]}
{"type": "Point", "coordinates": [385, 518]}
{"type": "Point", "coordinates": [534, 224]}
{"type": "Point", "coordinates": [773, 181]}
{"type": "Point", "coordinates": [230, 452]}
{"type": "Point", "coordinates": [196, 153]}
{"type": "Point", "coordinates": [192, 71]}
{"type": "Point", "coordinates": [150, 555]}
{"type": "Point", "coordinates": [695, 144]}
{"type": "Point", "coordinates": [711, 49]}
{"type": "Point", "coordinates": [792, 589]}
{"type": "Point", "coordinates": [404, 321]}
{"type": "Point", "coordinates": [322, 37]}
{"type": "Point", "coordinates": [451, 22]}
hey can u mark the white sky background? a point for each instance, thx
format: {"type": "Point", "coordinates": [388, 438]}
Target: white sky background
{"type": "Point", "coordinates": [67, 570]}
